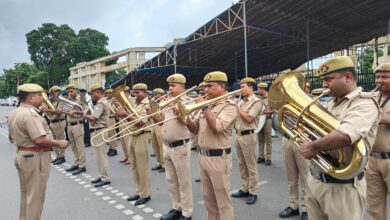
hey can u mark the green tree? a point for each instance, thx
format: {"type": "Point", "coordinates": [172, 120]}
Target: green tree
{"type": "Point", "coordinates": [367, 59]}
{"type": "Point", "coordinates": [114, 76]}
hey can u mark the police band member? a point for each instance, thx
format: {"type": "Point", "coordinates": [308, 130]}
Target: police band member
{"type": "Point", "coordinates": [57, 125]}
{"type": "Point", "coordinates": [214, 128]}
{"type": "Point", "coordinates": [249, 110]}
{"type": "Point", "coordinates": [98, 120]}
{"type": "Point", "coordinates": [378, 171]}
{"type": "Point", "coordinates": [265, 134]}
{"type": "Point", "coordinates": [139, 142]}
{"type": "Point", "coordinates": [328, 197]}
{"type": "Point", "coordinates": [76, 130]}
{"type": "Point", "coordinates": [177, 155]}
{"type": "Point", "coordinates": [125, 139]}
{"type": "Point", "coordinates": [30, 132]}
{"type": "Point", "coordinates": [111, 121]}
{"type": "Point", "coordinates": [157, 138]}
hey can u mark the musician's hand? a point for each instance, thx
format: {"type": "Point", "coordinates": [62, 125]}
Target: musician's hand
{"type": "Point", "coordinates": [62, 143]}
{"type": "Point", "coordinates": [148, 111]}
{"type": "Point", "coordinates": [306, 149]}
{"type": "Point", "coordinates": [121, 113]}
{"type": "Point", "coordinates": [176, 111]}
{"type": "Point", "coordinates": [200, 99]}
{"type": "Point", "coordinates": [71, 112]}
{"type": "Point", "coordinates": [43, 109]}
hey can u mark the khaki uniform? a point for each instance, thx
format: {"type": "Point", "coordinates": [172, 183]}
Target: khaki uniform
{"type": "Point", "coordinates": [296, 168]}
{"type": "Point", "coordinates": [101, 112]}
{"type": "Point", "coordinates": [358, 114]}
{"type": "Point", "coordinates": [157, 144]}
{"type": "Point", "coordinates": [58, 128]}
{"type": "Point", "coordinates": [138, 152]}
{"type": "Point", "coordinates": [26, 125]}
{"type": "Point", "coordinates": [378, 171]}
{"type": "Point", "coordinates": [125, 140]}
{"type": "Point", "coordinates": [177, 162]}
{"type": "Point", "coordinates": [265, 135]}
{"type": "Point", "coordinates": [215, 171]}
{"type": "Point", "coordinates": [112, 133]}
{"type": "Point", "coordinates": [75, 129]}
{"type": "Point", "coordinates": [246, 144]}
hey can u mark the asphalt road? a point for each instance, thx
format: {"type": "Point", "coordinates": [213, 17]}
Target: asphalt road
{"type": "Point", "coordinates": [73, 197]}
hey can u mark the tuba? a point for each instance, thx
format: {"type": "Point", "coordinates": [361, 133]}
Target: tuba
{"type": "Point", "coordinates": [301, 117]}
{"type": "Point", "coordinates": [121, 101]}
{"type": "Point", "coordinates": [47, 104]}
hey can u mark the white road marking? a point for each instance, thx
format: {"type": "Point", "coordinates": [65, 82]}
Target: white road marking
{"type": "Point", "coordinates": [114, 191]}
{"type": "Point", "coordinates": [137, 217]}
{"type": "Point", "coordinates": [87, 186]}
{"type": "Point", "coordinates": [119, 206]}
{"type": "Point", "coordinates": [112, 202]}
{"type": "Point", "coordinates": [109, 188]}
{"type": "Point", "coordinates": [82, 182]}
{"type": "Point", "coordinates": [128, 212]}
{"type": "Point", "coordinates": [148, 210]}
{"type": "Point", "coordinates": [106, 198]}
{"type": "Point", "coordinates": [93, 190]}
{"type": "Point", "coordinates": [124, 197]}
{"type": "Point", "coordinates": [141, 206]}
{"type": "Point", "coordinates": [157, 215]}
{"type": "Point", "coordinates": [77, 180]}
{"type": "Point", "coordinates": [72, 177]}
{"type": "Point", "coordinates": [98, 193]}
{"type": "Point", "coordinates": [119, 194]}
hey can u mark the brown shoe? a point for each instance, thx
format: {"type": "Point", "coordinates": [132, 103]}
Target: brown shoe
{"type": "Point", "coordinates": [127, 162]}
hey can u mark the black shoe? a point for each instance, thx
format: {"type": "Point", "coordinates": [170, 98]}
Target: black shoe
{"type": "Point", "coordinates": [260, 160]}
{"type": "Point", "coordinates": [142, 201]}
{"type": "Point", "coordinates": [80, 170]}
{"type": "Point", "coordinates": [157, 167]}
{"type": "Point", "coordinates": [185, 218]}
{"type": "Point", "coordinates": [109, 151]}
{"type": "Point", "coordinates": [304, 216]}
{"type": "Point", "coordinates": [112, 153]}
{"type": "Point", "coordinates": [102, 183]}
{"type": "Point", "coordinates": [251, 199]}
{"type": "Point", "coordinates": [153, 155]}
{"type": "Point", "coordinates": [171, 215]}
{"type": "Point", "coordinates": [240, 194]}
{"type": "Point", "coordinates": [161, 170]}
{"type": "Point", "coordinates": [267, 162]}
{"type": "Point", "coordinates": [197, 180]}
{"type": "Point", "coordinates": [59, 161]}
{"type": "Point", "coordinates": [97, 180]}
{"type": "Point", "coordinates": [55, 160]}
{"type": "Point", "coordinates": [133, 198]}
{"type": "Point", "coordinates": [288, 212]}
{"type": "Point", "coordinates": [72, 168]}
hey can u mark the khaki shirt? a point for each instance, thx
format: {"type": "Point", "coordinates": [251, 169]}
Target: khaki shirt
{"type": "Point", "coordinates": [101, 112]}
{"type": "Point", "coordinates": [140, 108]}
{"type": "Point", "coordinates": [174, 129]}
{"type": "Point", "coordinates": [226, 112]}
{"type": "Point", "coordinates": [76, 118]}
{"type": "Point", "coordinates": [26, 124]}
{"type": "Point", "coordinates": [358, 116]}
{"type": "Point", "coordinates": [252, 106]}
{"type": "Point", "coordinates": [112, 114]}
{"type": "Point", "coordinates": [382, 141]}
{"type": "Point", "coordinates": [55, 103]}
{"type": "Point", "coordinates": [266, 105]}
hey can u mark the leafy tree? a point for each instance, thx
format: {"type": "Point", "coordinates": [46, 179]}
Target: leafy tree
{"type": "Point", "coordinates": [115, 76]}
{"type": "Point", "coordinates": [367, 58]}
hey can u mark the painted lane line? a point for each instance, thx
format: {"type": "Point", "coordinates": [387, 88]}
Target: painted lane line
{"type": "Point", "coordinates": [99, 193]}
{"type": "Point", "coordinates": [106, 198]}
{"type": "Point", "coordinates": [157, 215]}
{"type": "Point", "coordinates": [114, 191]}
{"type": "Point", "coordinates": [141, 206]}
{"type": "Point", "coordinates": [148, 210]}
{"type": "Point", "coordinates": [93, 190]}
{"type": "Point", "coordinates": [87, 186]}
{"type": "Point", "coordinates": [119, 206]}
{"type": "Point", "coordinates": [137, 217]}
{"type": "Point", "coordinates": [128, 212]}
{"type": "Point", "coordinates": [119, 194]}
{"type": "Point", "coordinates": [112, 202]}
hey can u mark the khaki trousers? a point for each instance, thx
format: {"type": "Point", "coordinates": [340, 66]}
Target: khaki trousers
{"type": "Point", "coordinates": [378, 187]}
{"type": "Point", "coordinates": [112, 133]}
{"type": "Point", "coordinates": [125, 141]}
{"type": "Point", "coordinates": [100, 153]}
{"type": "Point", "coordinates": [177, 172]}
{"type": "Point", "coordinates": [139, 163]}
{"type": "Point", "coordinates": [215, 175]}
{"type": "Point", "coordinates": [33, 169]}
{"type": "Point", "coordinates": [296, 167]}
{"type": "Point", "coordinates": [265, 140]}
{"type": "Point", "coordinates": [58, 129]}
{"type": "Point", "coordinates": [246, 154]}
{"type": "Point", "coordinates": [330, 201]}
{"type": "Point", "coordinates": [157, 143]}
{"type": "Point", "coordinates": [77, 146]}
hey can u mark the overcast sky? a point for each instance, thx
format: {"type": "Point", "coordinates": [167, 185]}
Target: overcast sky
{"type": "Point", "coordinates": [128, 23]}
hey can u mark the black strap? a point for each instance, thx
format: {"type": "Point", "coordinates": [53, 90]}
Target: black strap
{"type": "Point", "coordinates": [326, 178]}
{"type": "Point", "coordinates": [214, 152]}
{"type": "Point", "coordinates": [58, 120]}
{"type": "Point", "coordinates": [95, 129]}
{"type": "Point", "coordinates": [176, 143]}
{"type": "Point", "coordinates": [246, 132]}
{"type": "Point", "coordinates": [384, 103]}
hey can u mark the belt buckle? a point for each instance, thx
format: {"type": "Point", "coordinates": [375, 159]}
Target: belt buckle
{"type": "Point", "coordinates": [168, 143]}
{"type": "Point", "coordinates": [386, 155]}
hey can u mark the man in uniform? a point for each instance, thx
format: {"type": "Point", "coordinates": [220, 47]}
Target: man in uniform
{"type": "Point", "coordinates": [157, 138]}
{"type": "Point", "coordinates": [378, 171]}
{"type": "Point", "coordinates": [139, 146]}
{"type": "Point", "coordinates": [249, 110]}
{"type": "Point", "coordinates": [57, 125]}
{"type": "Point", "coordinates": [33, 138]}
{"type": "Point", "coordinates": [125, 139]}
{"type": "Point", "coordinates": [357, 111]}
{"type": "Point", "coordinates": [111, 121]}
{"type": "Point", "coordinates": [214, 128]}
{"type": "Point", "coordinates": [98, 120]}
{"type": "Point", "coordinates": [177, 155]}
{"type": "Point", "coordinates": [76, 130]}
{"type": "Point", "coordinates": [87, 135]}
{"type": "Point", "coordinates": [265, 134]}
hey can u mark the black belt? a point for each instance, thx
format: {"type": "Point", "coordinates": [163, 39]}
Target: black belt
{"type": "Point", "coordinates": [176, 143]}
{"type": "Point", "coordinates": [214, 152]}
{"type": "Point", "coordinates": [95, 129]}
{"type": "Point", "coordinates": [326, 178]}
{"type": "Point", "coordinates": [246, 132]}
{"type": "Point", "coordinates": [57, 120]}
{"type": "Point", "coordinates": [112, 116]}
{"type": "Point", "coordinates": [143, 132]}
{"type": "Point", "coordinates": [75, 123]}
{"type": "Point", "coordinates": [380, 155]}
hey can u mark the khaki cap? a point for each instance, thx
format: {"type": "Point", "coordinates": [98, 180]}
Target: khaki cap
{"type": "Point", "coordinates": [216, 76]}
{"type": "Point", "coordinates": [262, 85]}
{"type": "Point", "coordinates": [177, 78]}
{"type": "Point", "coordinates": [248, 80]}
{"type": "Point", "coordinates": [30, 88]}
{"type": "Point", "coordinates": [334, 64]}
{"type": "Point", "coordinates": [140, 86]}
{"type": "Point", "coordinates": [95, 87]}
{"type": "Point", "coordinates": [54, 89]}
{"type": "Point", "coordinates": [108, 91]}
{"type": "Point", "coordinates": [202, 84]}
{"type": "Point", "coordinates": [127, 88]}
{"type": "Point", "coordinates": [158, 90]}
{"type": "Point", "coordinates": [71, 86]}
{"type": "Point", "coordinates": [384, 67]}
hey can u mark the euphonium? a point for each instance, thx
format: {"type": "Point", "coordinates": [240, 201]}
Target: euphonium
{"type": "Point", "coordinates": [301, 117]}
{"type": "Point", "coordinates": [120, 97]}
{"type": "Point", "coordinates": [47, 104]}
